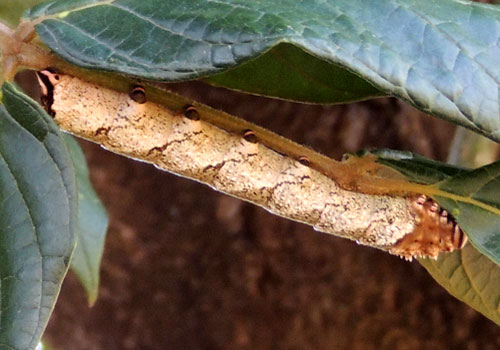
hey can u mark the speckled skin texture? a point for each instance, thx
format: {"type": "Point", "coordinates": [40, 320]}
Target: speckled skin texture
{"type": "Point", "coordinates": [228, 163]}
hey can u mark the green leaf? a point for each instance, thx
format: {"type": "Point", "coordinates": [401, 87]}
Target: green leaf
{"type": "Point", "coordinates": [471, 277]}
{"type": "Point", "coordinates": [38, 210]}
{"type": "Point", "coordinates": [440, 56]}
{"type": "Point", "coordinates": [91, 225]}
{"type": "Point", "coordinates": [12, 10]}
{"type": "Point", "coordinates": [287, 72]}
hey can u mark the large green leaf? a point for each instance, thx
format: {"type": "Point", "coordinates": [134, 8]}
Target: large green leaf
{"type": "Point", "coordinates": [471, 277]}
{"type": "Point", "coordinates": [441, 56]}
{"type": "Point", "coordinates": [91, 225]}
{"type": "Point", "coordinates": [38, 208]}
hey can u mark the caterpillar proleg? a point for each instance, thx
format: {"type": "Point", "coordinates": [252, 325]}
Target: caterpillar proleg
{"type": "Point", "coordinates": [239, 164]}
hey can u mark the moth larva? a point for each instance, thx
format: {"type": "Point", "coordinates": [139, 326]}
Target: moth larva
{"type": "Point", "coordinates": [239, 164]}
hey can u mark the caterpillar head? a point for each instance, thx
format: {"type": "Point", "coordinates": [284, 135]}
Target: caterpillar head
{"type": "Point", "coordinates": [436, 231]}
{"type": "Point", "coordinates": [47, 79]}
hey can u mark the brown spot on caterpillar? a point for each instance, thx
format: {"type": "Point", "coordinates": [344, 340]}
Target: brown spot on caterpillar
{"type": "Point", "coordinates": [158, 149]}
{"type": "Point", "coordinates": [138, 94]}
{"type": "Point", "coordinates": [436, 230]}
{"type": "Point", "coordinates": [102, 131]}
{"type": "Point", "coordinates": [190, 112]}
{"type": "Point", "coordinates": [304, 161]}
{"type": "Point", "coordinates": [250, 136]}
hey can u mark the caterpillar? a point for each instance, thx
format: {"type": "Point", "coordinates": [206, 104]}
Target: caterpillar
{"type": "Point", "coordinates": [242, 165]}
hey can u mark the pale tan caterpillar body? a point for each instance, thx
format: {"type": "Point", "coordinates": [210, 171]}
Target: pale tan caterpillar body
{"type": "Point", "coordinates": [240, 165]}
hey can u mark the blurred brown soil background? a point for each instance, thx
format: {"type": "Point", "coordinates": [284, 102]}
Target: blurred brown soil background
{"type": "Point", "coordinates": [186, 267]}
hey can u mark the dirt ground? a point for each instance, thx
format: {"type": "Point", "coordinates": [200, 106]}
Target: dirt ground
{"type": "Point", "coordinates": [186, 267]}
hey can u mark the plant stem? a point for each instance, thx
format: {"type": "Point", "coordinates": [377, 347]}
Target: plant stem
{"type": "Point", "coordinates": [16, 51]}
